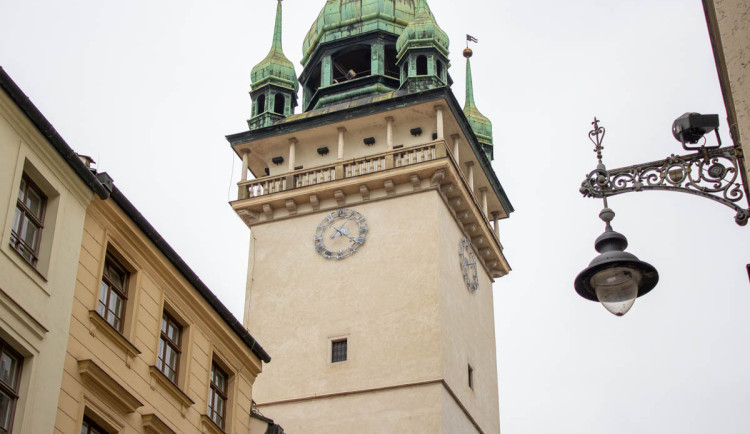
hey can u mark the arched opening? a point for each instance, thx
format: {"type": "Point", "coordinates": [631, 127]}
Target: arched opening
{"type": "Point", "coordinates": [391, 70]}
{"type": "Point", "coordinates": [439, 69]}
{"type": "Point", "coordinates": [278, 103]}
{"type": "Point", "coordinates": [260, 104]}
{"type": "Point", "coordinates": [351, 64]}
{"type": "Point", "coordinates": [422, 65]}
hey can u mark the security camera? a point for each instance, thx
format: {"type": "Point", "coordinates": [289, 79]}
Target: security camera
{"type": "Point", "coordinates": [691, 127]}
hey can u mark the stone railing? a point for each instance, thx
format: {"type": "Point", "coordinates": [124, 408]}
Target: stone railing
{"type": "Point", "coordinates": [342, 170]}
{"type": "Point", "coordinates": [315, 176]}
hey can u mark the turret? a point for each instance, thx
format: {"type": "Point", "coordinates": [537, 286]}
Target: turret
{"type": "Point", "coordinates": [274, 84]}
{"type": "Point", "coordinates": [422, 50]}
{"type": "Point", "coordinates": [350, 51]}
{"type": "Point", "coordinates": [481, 126]}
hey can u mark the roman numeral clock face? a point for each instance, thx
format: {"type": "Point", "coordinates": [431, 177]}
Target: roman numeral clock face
{"type": "Point", "coordinates": [468, 264]}
{"type": "Point", "coordinates": [340, 234]}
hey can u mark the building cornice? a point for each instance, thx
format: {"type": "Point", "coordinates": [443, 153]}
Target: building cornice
{"type": "Point", "coordinates": [379, 105]}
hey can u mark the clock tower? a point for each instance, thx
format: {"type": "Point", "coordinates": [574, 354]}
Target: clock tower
{"type": "Point", "coordinates": [374, 218]}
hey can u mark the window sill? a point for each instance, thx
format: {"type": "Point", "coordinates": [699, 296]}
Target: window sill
{"type": "Point", "coordinates": [210, 426]}
{"type": "Point", "coordinates": [35, 275]}
{"type": "Point", "coordinates": [153, 425]}
{"type": "Point", "coordinates": [100, 324]}
{"type": "Point", "coordinates": [158, 377]}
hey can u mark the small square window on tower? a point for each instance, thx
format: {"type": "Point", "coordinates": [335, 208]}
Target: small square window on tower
{"type": "Point", "coordinates": [338, 350]}
{"type": "Point", "coordinates": [471, 377]}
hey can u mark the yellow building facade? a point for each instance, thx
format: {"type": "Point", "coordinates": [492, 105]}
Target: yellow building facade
{"type": "Point", "coordinates": [43, 204]}
{"type": "Point", "coordinates": [166, 357]}
{"type": "Point", "coordinates": [103, 328]}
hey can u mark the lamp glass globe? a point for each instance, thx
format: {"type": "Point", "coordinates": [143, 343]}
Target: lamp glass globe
{"type": "Point", "coordinates": [617, 288]}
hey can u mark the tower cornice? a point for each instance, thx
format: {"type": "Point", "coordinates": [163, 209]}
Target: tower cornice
{"type": "Point", "coordinates": [371, 106]}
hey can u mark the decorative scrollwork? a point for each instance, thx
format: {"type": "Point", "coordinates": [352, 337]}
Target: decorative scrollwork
{"type": "Point", "coordinates": [711, 173]}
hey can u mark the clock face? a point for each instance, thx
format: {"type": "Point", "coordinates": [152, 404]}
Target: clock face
{"type": "Point", "coordinates": [340, 234]}
{"type": "Point", "coordinates": [468, 264]}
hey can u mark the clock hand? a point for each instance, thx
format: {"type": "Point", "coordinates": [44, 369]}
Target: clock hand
{"type": "Point", "coordinates": [337, 230]}
{"type": "Point", "coordinates": [346, 221]}
{"type": "Point", "coordinates": [345, 235]}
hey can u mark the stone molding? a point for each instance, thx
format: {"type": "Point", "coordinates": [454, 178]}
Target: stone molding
{"type": "Point", "coordinates": [103, 385]}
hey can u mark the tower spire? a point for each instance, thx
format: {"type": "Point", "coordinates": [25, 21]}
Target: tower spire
{"type": "Point", "coordinates": [469, 81]}
{"type": "Point", "coordinates": [479, 123]}
{"type": "Point", "coordinates": [276, 44]}
{"type": "Point", "coordinates": [274, 83]}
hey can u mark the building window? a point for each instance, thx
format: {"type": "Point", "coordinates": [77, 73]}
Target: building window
{"type": "Point", "coordinates": [217, 401]}
{"type": "Point", "coordinates": [90, 427]}
{"type": "Point", "coordinates": [278, 103]}
{"type": "Point", "coordinates": [471, 377]}
{"type": "Point", "coordinates": [422, 65]}
{"type": "Point", "coordinates": [28, 222]}
{"type": "Point", "coordinates": [10, 373]}
{"type": "Point", "coordinates": [338, 351]}
{"type": "Point", "coordinates": [113, 293]}
{"type": "Point", "coordinates": [169, 347]}
{"type": "Point", "coordinates": [354, 62]}
{"type": "Point", "coordinates": [261, 104]}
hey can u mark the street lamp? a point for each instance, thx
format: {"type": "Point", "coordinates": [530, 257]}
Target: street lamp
{"type": "Point", "coordinates": [616, 278]}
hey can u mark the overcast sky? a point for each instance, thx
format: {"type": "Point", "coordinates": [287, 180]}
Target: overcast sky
{"type": "Point", "coordinates": [150, 88]}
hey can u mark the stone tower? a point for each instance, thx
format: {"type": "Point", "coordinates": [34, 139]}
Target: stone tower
{"type": "Point", "coordinates": [374, 236]}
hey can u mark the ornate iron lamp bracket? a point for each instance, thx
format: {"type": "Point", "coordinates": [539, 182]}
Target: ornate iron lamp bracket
{"type": "Point", "coordinates": [713, 173]}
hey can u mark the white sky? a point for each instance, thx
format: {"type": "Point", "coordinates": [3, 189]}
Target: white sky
{"type": "Point", "coordinates": [150, 88]}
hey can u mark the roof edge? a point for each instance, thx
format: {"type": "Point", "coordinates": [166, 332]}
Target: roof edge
{"type": "Point", "coordinates": [48, 131]}
{"type": "Point", "coordinates": [145, 226]}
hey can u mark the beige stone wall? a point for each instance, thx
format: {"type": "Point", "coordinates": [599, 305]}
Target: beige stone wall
{"type": "Point", "coordinates": [127, 360]}
{"type": "Point", "coordinates": [415, 410]}
{"type": "Point", "coordinates": [401, 302]}
{"type": "Point", "coordinates": [729, 23]}
{"type": "Point", "coordinates": [453, 417]}
{"type": "Point", "coordinates": [383, 298]}
{"type": "Point", "coordinates": [468, 332]}
{"type": "Point", "coordinates": [35, 303]}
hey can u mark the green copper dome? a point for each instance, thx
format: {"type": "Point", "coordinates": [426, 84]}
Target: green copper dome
{"type": "Point", "coordinates": [275, 68]}
{"type": "Point", "coordinates": [423, 31]}
{"type": "Point", "coordinates": [479, 123]}
{"type": "Point", "coordinates": [346, 18]}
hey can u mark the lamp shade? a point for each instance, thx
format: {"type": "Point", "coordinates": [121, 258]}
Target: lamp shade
{"type": "Point", "coordinates": [615, 277]}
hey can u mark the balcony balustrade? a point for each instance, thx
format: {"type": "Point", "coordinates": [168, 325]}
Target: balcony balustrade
{"type": "Point", "coordinates": [342, 170]}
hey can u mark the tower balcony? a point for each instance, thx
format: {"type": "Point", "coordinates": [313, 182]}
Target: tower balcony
{"type": "Point", "coordinates": [396, 172]}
